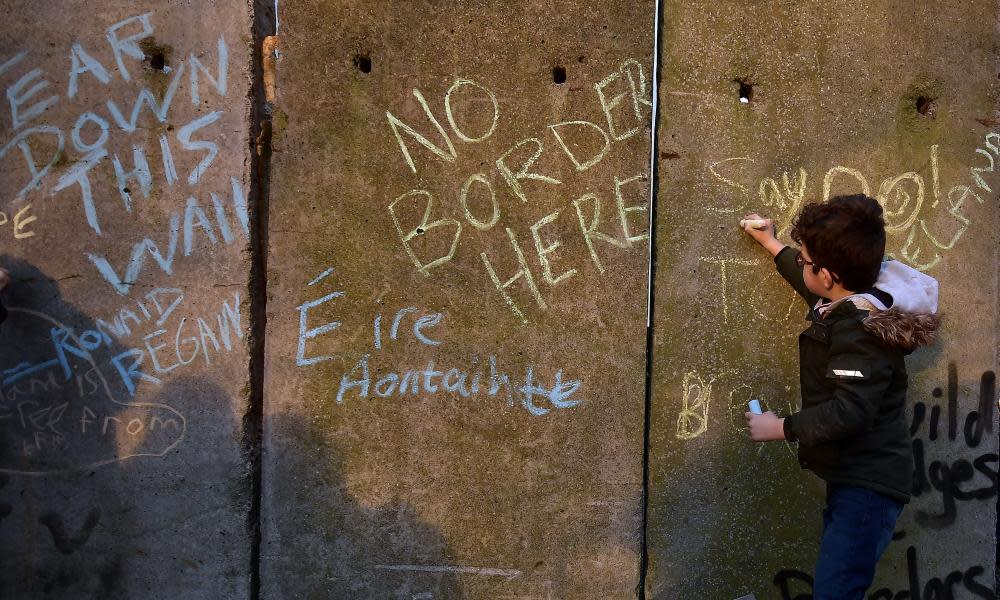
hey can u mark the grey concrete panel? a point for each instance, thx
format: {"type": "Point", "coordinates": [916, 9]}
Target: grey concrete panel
{"type": "Point", "coordinates": [898, 100]}
{"type": "Point", "coordinates": [410, 451]}
{"type": "Point", "coordinates": [123, 361]}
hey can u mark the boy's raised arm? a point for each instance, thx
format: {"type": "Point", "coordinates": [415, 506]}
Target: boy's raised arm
{"type": "Point", "coordinates": [784, 256]}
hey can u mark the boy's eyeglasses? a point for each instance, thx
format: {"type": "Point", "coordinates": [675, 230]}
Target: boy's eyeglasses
{"type": "Point", "coordinates": [800, 261]}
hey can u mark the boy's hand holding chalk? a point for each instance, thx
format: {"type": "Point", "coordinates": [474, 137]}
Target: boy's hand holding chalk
{"type": "Point", "coordinates": [764, 427]}
{"type": "Point", "coordinates": [761, 230]}
{"type": "Point", "coordinates": [754, 223]}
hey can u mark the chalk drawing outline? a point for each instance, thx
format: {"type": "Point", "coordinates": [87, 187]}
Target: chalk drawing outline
{"type": "Point", "coordinates": [110, 396]}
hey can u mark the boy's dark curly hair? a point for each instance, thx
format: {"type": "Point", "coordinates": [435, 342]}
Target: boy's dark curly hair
{"type": "Point", "coordinates": [845, 235]}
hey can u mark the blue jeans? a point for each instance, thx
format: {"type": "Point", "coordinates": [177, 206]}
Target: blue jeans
{"type": "Point", "coordinates": [857, 526]}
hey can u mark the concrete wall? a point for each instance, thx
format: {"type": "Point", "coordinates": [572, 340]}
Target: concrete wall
{"type": "Point", "coordinates": [430, 431]}
{"type": "Point", "coordinates": [124, 357]}
{"type": "Point", "coordinates": [443, 207]}
{"type": "Point", "coordinates": [897, 100]}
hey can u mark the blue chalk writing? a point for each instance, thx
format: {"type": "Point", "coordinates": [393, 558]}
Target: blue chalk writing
{"type": "Point", "coordinates": [306, 334]}
{"type": "Point", "coordinates": [399, 316]}
{"type": "Point", "coordinates": [431, 381]}
{"type": "Point", "coordinates": [131, 373]}
{"type": "Point", "coordinates": [426, 321]}
{"type": "Point", "coordinates": [321, 276]}
{"type": "Point", "coordinates": [60, 341]}
{"type": "Point", "coordinates": [22, 370]}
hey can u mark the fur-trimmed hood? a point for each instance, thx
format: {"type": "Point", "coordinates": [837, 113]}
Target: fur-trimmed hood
{"type": "Point", "coordinates": [904, 330]}
{"type": "Point", "coordinates": [910, 319]}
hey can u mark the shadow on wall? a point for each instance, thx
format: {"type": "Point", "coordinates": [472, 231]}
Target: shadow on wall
{"type": "Point", "coordinates": [64, 387]}
{"type": "Point", "coordinates": [323, 544]}
{"type": "Point", "coordinates": [81, 464]}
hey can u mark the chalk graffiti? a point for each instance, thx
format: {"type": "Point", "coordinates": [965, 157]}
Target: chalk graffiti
{"type": "Point", "coordinates": [696, 397]}
{"type": "Point", "coordinates": [431, 234]}
{"type": "Point", "coordinates": [30, 96]}
{"type": "Point", "coordinates": [723, 263]}
{"type": "Point", "coordinates": [60, 410]}
{"type": "Point", "coordinates": [305, 332]}
{"type": "Point", "coordinates": [19, 222]}
{"type": "Point", "coordinates": [155, 306]}
{"type": "Point", "coordinates": [65, 391]}
{"type": "Point", "coordinates": [468, 382]}
{"type": "Point", "coordinates": [188, 340]}
{"type": "Point", "coordinates": [465, 381]}
{"type": "Point", "coordinates": [194, 216]}
{"type": "Point", "coordinates": [903, 197]}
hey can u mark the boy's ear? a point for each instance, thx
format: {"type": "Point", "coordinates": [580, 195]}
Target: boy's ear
{"type": "Point", "coordinates": [828, 277]}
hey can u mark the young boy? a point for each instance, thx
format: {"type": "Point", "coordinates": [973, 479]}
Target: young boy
{"type": "Point", "coordinates": [865, 315]}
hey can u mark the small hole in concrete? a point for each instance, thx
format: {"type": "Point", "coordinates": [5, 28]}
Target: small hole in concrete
{"type": "Point", "coordinates": [126, 190]}
{"type": "Point", "coordinates": [581, 59]}
{"type": "Point", "coordinates": [937, 393]}
{"type": "Point", "coordinates": [157, 60]}
{"type": "Point", "coordinates": [745, 91]}
{"type": "Point", "coordinates": [155, 56]}
{"type": "Point", "coordinates": [363, 63]}
{"type": "Point", "coordinates": [925, 105]}
{"type": "Point", "coordinates": [559, 75]}
{"type": "Point", "coordinates": [419, 230]}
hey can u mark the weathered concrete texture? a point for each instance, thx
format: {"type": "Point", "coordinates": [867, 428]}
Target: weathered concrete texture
{"type": "Point", "coordinates": [895, 99]}
{"type": "Point", "coordinates": [396, 467]}
{"type": "Point", "coordinates": [123, 362]}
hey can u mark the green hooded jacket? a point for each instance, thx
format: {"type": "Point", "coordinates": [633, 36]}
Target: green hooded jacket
{"type": "Point", "coordinates": [852, 427]}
